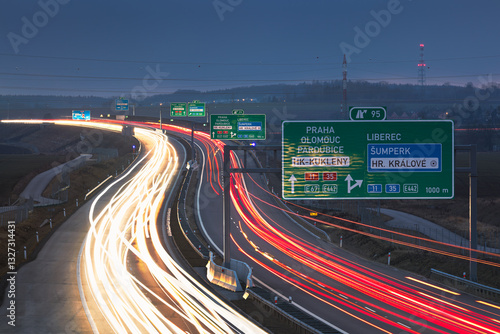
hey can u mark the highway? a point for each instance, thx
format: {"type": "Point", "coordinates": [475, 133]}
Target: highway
{"type": "Point", "coordinates": [350, 293]}
{"type": "Point", "coordinates": [128, 227]}
{"type": "Point", "coordinates": [126, 279]}
{"type": "Point", "coordinates": [130, 281]}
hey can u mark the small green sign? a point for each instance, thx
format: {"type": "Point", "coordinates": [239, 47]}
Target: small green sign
{"type": "Point", "coordinates": [238, 112]}
{"type": "Point", "coordinates": [196, 109]}
{"type": "Point", "coordinates": [367, 160]}
{"type": "Point", "coordinates": [368, 113]}
{"type": "Point", "coordinates": [240, 127]}
{"type": "Point", "coordinates": [177, 109]}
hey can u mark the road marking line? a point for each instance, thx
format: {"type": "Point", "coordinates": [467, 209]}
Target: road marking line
{"type": "Point", "coordinates": [404, 325]}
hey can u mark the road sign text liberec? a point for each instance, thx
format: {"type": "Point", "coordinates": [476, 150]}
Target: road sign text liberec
{"type": "Point", "coordinates": [366, 159]}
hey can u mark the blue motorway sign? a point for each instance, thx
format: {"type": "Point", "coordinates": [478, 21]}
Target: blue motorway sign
{"type": "Point", "coordinates": [424, 157]}
{"type": "Point", "coordinates": [121, 105]}
{"type": "Point", "coordinates": [81, 115]}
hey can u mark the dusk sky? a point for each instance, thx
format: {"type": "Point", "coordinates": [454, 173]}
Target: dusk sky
{"type": "Point", "coordinates": [108, 48]}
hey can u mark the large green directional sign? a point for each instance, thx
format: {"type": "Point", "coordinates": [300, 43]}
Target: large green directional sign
{"type": "Point", "coordinates": [240, 127]}
{"type": "Point", "coordinates": [365, 159]}
{"type": "Point", "coordinates": [196, 109]}
{"type": "Point", "coordinates": [177, 109]}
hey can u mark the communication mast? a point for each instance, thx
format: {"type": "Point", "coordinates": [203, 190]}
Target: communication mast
{"type": "Point", "coordinates": [421, 67]}
{"type": "Point", "coordinates": [344, 86]}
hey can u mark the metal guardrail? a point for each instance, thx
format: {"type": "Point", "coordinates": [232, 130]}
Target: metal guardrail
{"type": "Point", "coordinates": [183, 220]}
{"type": "Point", "coordinates": [97, 187]}
{"type": "Point", "coordinates": [467, 285]}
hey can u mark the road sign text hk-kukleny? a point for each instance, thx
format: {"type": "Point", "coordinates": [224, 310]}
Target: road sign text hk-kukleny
{"type": "Point", "coordinates": [239, 127]}
{"type": "Point", "coordinates": [364, 159]}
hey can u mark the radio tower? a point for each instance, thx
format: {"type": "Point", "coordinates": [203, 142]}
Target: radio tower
{"type": "Point", "coordinates": [344, 87]}
{"type": "Point", "coordinates": [421, 67]}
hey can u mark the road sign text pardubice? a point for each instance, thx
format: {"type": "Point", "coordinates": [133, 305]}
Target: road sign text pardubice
{"type": "Point", "coordinates": [367, 159]}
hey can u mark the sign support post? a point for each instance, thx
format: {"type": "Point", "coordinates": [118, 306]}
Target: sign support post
{"type": "Point", "coordinates": [226, 184]}
{"type": "Point", "coordinates": [226, 246]}
{"type": "Point", "coordinates": [472, 171]}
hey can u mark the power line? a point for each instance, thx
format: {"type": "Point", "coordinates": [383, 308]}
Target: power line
{"type": "Point", "coordinates": [227, 80]}
{"type": "Point", "coordinates": [257, 63]}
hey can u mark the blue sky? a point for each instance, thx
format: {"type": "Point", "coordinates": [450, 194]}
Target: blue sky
{"type": "Point", "coordinates": [112, 47]}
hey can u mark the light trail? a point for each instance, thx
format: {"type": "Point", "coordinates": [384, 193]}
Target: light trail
{"type": "Point", "coordinates": [127, 228]}
{"type": "Point", "coordinates": [406, 305]}
{"type": "Point", "coordinates": [433, 286]}
{"type": "Point", "coordinates": [392, 240]}
{"type": "Point", "coordinates": [393, 298]}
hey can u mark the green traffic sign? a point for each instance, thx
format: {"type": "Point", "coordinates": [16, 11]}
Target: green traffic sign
{"type": "Point", "coordinates": [238, 112]}
{"type": "Point", "coordinates": [196, 109]}
{"type": "Point", "coordinates": [367, 160]}
{"type": "Point", "coordinates": [240, 127]}
{"type": "Point", "coordinates": [368, 113]}
{"type": "Point", "coordinates": [177, 109]}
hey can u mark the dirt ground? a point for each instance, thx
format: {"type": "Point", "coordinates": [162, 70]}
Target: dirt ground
{"type": "Point", "coordinates": [53, 144]}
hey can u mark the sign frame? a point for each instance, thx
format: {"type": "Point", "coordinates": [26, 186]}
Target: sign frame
{"type": "Point", "coordinates": [232, 122]}
{"type": "Point", "coordinates": [121, 105]}
{"type": "Point", "coordinates": [367, 110]}
{"type": "Point", "coordinates": [85, 115]}
{"type": "Point", "coordinates": [353, 179]}
{"type": "Point", "coordinates": [197, 104]}
{"type": "Point", "coordinates": [182, 105]}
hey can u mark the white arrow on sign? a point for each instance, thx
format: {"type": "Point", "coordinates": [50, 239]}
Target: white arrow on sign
{"type": "Point", "coordinates": [293, 179]}
{"type": "Point", "coordinates": [349, 179]}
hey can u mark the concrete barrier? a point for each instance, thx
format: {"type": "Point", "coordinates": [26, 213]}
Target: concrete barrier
{"type": "Point", "coordinates": [242, 270]}
{"type": "Point", "coordinates": [223, 277]}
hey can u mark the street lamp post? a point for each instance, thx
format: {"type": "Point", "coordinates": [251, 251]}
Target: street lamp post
{"type": "Point", "coordinates": [161, 129]}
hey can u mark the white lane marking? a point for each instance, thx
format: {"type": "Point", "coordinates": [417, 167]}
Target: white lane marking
{"type": "Point", "coordinates": [404, 325]}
